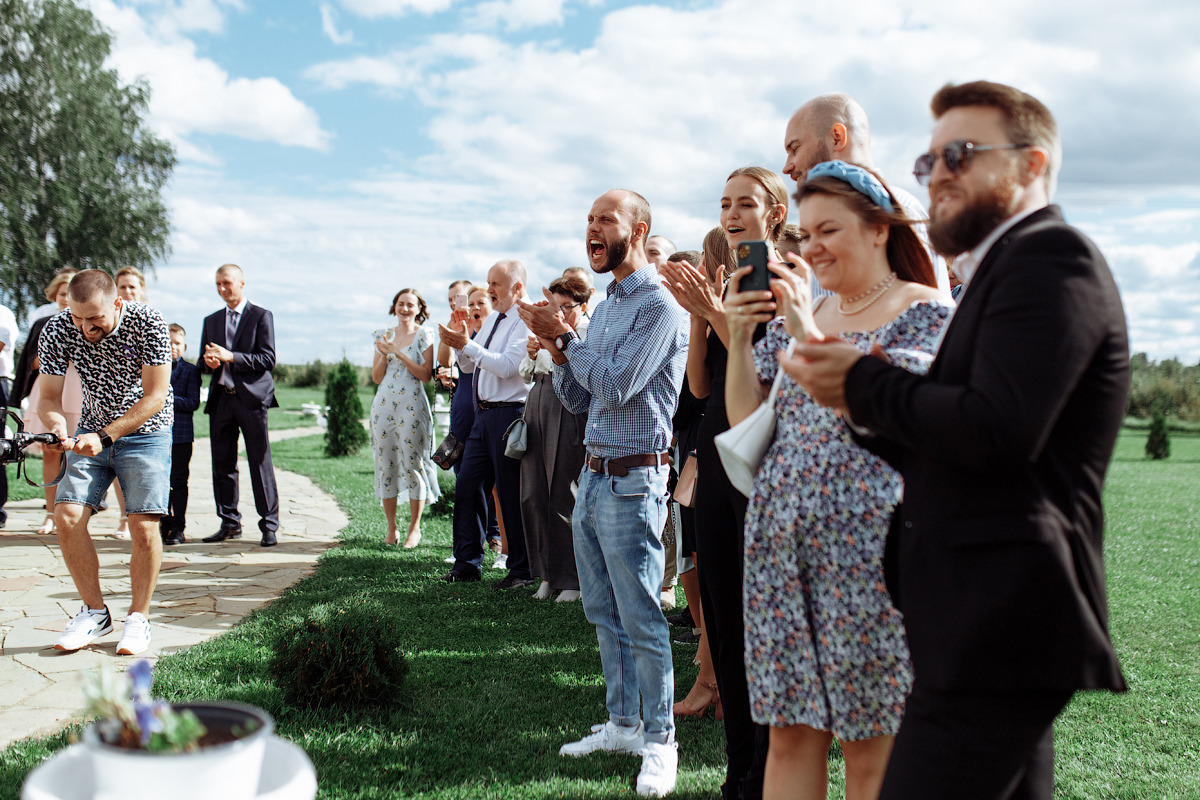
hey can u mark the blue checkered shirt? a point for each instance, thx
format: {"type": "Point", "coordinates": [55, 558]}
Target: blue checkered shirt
{"type": "Point", "coordinates": [628, 373]}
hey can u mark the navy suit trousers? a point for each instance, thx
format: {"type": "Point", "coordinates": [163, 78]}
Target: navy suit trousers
{"type": "Point", "coordinates": [483, 466]}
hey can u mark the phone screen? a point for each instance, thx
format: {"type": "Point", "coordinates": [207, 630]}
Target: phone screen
{"type": "Point", "coordinates": [460, 301]}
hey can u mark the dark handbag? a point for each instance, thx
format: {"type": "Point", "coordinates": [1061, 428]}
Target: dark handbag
{"type": "Point", "coordinates": [449, 452]}
{"type": "Point", "coordinates": [685, 487]}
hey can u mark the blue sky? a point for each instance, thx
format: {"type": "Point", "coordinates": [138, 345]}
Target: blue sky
{"type": "Point", "coordinates": [342, 149]}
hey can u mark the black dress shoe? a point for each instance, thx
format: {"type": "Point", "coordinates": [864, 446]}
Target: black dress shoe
{"type": "Point", "coordinates": [268, 539]}
{"type": "Point", "coordinates": [509, 582]}
{"type": "Point", "coordinates": [223, 534]}
{"type": "Point", "coordinates": [682, 620]}
{"type": "Point", "coordinates": [174, 536]}
{"type": "Point", "coordinates": [454, 576]}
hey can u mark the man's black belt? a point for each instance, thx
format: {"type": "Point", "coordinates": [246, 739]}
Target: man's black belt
{"type": "Point", "coordinates": [621, 466]}
{"type": "Point", "coordinates": [484, 405]}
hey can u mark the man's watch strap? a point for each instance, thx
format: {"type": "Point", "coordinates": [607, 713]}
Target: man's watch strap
{"type": "Point", "coordinates": [105, 439]}
{"type": "Point", "coordinates": [563, 339]}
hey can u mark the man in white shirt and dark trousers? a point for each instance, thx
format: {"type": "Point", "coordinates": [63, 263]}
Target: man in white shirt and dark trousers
{"type": "Point", "coordinates": [500, 397]}
{"type": "Point", "coordinates": [8, 341]}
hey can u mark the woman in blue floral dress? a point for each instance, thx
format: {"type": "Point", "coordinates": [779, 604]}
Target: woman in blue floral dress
{"type": "Point", "coordinates": [825, 649]}
{"type": "Point", "coordinates": [401, 420]}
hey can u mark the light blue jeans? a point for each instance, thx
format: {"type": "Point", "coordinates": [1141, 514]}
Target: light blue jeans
{"type": "Point", "coordinates": [617, 525]}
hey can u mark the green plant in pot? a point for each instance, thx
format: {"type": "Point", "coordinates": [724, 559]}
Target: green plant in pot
{"type": "Point", "coordinates": [146, 748]}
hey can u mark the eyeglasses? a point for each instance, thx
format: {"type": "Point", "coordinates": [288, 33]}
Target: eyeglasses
{"type": "Point", "coordinates": [957, 157]}
{"type": "Point", "coordinates": [568, 308]}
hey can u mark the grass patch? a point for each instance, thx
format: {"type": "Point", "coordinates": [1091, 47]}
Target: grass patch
{"type": "Point", "coordinates": [498, 681]}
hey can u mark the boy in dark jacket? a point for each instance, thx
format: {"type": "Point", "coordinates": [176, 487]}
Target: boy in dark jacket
{"type": "Point", "coordinates": [185, 384]}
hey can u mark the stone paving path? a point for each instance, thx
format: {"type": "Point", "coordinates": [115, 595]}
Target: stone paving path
{"type": "Point", "coordinates": [203, 589]}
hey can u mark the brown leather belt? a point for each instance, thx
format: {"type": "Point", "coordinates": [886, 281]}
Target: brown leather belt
{"type": "Point", "coordinates": [486, 406]}
{"type": "Point", "coordinates": [621, 466]}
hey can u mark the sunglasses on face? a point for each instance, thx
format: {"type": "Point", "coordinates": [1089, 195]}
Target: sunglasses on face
{"type": "Point", "coordinates": [956, 156]}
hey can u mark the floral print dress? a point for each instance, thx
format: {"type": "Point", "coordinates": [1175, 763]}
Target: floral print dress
{"type": "Point", "coordinates": [402, 430]}
{"type": "Point", "coordinates": [824, 645]}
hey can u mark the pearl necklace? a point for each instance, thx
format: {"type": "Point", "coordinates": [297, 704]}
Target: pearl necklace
{"type": "Point", "coordinates": [874, 293]}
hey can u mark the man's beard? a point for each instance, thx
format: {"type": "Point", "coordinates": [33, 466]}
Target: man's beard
{"type": "Point", "coordinates": [616, 254]}
{"type": "Point", "coordinates": [966, 229]}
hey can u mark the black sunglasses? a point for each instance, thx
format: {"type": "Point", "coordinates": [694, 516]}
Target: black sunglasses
{"type": "Point", "coordinates": [957, 157]}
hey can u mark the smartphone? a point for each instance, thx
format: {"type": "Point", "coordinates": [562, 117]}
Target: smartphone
{"type": "Point", "coordinates": [460, 300]}
{"type": "Point", "coordinates": [754, 254]}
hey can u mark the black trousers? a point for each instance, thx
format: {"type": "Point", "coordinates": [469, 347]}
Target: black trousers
{"type": "Point", "coordinates": [5, 385]}
{"type": "Point", "coordinates": [181, 462]}
{"type": "Point", "coordinates": [227, 418]}
{"type": "Point", "coordinates": [720, 520]}
{"type": "Point", "coordinates": [983, 746]}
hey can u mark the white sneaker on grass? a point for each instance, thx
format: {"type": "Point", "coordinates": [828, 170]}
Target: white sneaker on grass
{"type": "Point", "coordinates": [136, 638]}
{"type": "Point", "coordinates": [501, 561]}
{"type": "Point", "coordinates": [84, 628]}
{"type": "Point", "coordinates": [608, 737]}
{"type": "Point", "coordinates": [660, 766]}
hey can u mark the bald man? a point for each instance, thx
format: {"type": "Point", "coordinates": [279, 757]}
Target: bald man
{"type": "Point", "coordinates": [835, 127]}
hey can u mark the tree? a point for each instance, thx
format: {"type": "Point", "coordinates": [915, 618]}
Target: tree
{"type": "Point", "coordinates": [80, 173]}
{"type": "Point", "coordinates": [345, 434]}
{"type": "Point", "coordinates": [1158, 443]}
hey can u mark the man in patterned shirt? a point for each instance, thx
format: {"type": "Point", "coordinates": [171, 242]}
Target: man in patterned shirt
{"type": "Point", "coordinates": [627, 377]}
{"type": "Point", "coordinates": [122, 352]}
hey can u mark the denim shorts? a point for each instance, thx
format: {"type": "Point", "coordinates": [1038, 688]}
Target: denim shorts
{"type": "Point", "coordinates": [142, 462]}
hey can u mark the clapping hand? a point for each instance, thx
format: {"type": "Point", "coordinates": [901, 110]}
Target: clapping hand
{"type": "Point", "coordinates": [456, 335]}
{"type": "Point", "coordinates": [532, 347]}
{"type": "Point", "coordinates": [543, 318]}
{"type": "Point", "coordinates": [692, 289]}
{"type": "Point", "coordinates": [793, 291]}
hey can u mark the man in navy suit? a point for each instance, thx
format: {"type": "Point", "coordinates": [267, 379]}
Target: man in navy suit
{"type": "Point", "coordinates": [238, 349]}
{"type": "Point", "coordinates": [995, 557]}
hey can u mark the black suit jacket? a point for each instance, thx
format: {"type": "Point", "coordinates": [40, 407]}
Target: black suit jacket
{"type": "Point", "coordinates": [253, 349]}
{"type": "Point", "coordinates": [995, 555]}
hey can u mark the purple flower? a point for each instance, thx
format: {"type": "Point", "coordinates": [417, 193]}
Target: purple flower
{"type": "Point", "coordinates": [142, 675]}
{"type": "Point", "coordinates": [148, 719]}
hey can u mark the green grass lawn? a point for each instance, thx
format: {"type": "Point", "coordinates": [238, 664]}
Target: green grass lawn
{"type": "Point", "coordinates": [499, 681]}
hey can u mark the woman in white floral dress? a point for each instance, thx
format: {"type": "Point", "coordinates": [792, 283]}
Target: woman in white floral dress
{"type": "Point", "coordinates": [401, 420]}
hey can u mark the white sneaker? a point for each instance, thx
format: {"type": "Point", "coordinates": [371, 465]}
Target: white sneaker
{"type": "Point", "coordinates": [660, 765]}
{"type": "Point", "coordinates": [608, 737]}
{"type": "Point", "coordinates": [136, 637]}
{"type": "Point", "coordinates": [501, 561]}
{"type": "Point", "coordinates": [84, 628]}
{"type": "Point", "coordinates": [449, 560]}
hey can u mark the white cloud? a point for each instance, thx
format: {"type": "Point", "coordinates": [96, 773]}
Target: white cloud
{"type": "Point", "coordinates": [192, 94]}
{"type": "Point", "coordinates": [329, 26]}
{"type": "Point", "coordinates": [394, 8]}
{"type": "Point", "coordinates": [518, 14]}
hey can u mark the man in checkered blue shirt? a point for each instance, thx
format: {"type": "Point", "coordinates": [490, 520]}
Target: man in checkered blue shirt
{"type": "Point", "coordinates": [627, 377]}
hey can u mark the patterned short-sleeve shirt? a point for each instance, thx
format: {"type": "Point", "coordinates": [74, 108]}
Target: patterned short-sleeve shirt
{"type": "Point", "coordinates": [111, 369]}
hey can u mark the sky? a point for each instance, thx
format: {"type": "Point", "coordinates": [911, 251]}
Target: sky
{"type": "Point", "coordinates": [340, 150]}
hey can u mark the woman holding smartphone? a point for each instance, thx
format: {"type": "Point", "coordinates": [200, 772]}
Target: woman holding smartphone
{"type": "Point", "coordinates": [825, 650]}
{"type": "Point", "coordinates": [753, 208]}
{"type": "Point", "coordinates": [401, 420]}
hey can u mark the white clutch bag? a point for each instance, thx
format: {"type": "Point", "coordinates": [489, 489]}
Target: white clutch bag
{"type": "Point", "coordinates": [743, 446]}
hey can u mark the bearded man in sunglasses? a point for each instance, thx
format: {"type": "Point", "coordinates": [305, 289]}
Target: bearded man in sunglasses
{"type": "Point", "coordinates": [995, 556]}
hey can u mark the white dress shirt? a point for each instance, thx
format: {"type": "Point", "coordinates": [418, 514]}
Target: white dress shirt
{"type": "Point", "coordinates": [499, 380]}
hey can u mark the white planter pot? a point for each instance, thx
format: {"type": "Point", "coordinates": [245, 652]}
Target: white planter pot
{"type": "Point", "coordinates": [228, 771]}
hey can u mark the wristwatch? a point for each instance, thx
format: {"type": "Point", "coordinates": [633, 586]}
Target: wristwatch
{"type": "Point", "coordinates": [105, 439]}
{"type": "Point", "coordinates": [563, 339]}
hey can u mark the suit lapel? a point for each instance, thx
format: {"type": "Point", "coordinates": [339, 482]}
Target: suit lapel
{"type": "Point", "coordinates": [971, 297]}
{"type": "Point", "coordinates": [241, 326]}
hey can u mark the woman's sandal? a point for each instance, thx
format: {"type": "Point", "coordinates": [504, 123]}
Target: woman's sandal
{"type": "Point", "coordinates": [692, 706]}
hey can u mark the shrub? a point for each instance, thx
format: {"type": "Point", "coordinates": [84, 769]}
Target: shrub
{"type": "Point", "coordinates": [310, 375]}
{"type": "Point", "coordinates": [345, 433]}
{"type": "Point", "coordinates": [445, 503]}
{"type": "Point", "coordinates": [1158, 443]}
{"type": "Point", "coordinates": [346, 655]}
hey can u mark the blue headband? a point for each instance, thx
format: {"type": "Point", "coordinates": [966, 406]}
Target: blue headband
{"type": "Point", "coordinates": [857, 177]}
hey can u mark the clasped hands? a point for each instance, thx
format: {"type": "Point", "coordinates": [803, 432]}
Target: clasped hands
{"type": "Point", "coordinates": [215, 355]}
